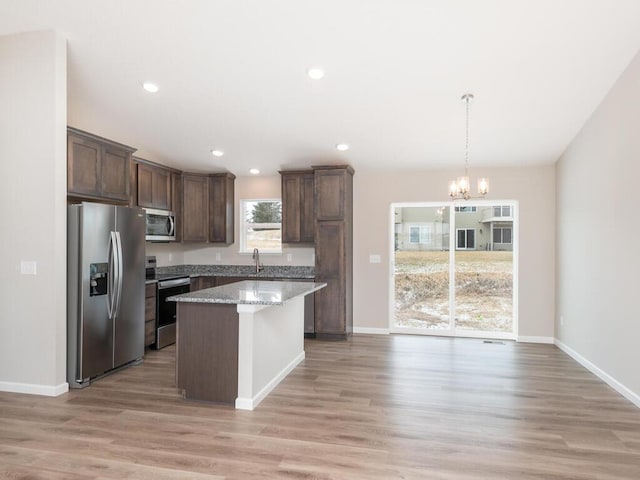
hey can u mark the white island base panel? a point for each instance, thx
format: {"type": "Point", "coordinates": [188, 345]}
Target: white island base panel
{"type": "Point", "coordinates": [270, 346]}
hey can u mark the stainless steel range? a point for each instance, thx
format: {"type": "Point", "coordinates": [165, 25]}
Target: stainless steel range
{"type": "Point", "coordinates": [168, 284]}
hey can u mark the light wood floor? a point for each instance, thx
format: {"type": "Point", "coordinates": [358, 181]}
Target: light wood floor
{"type": "Point", "coordinates": [377, 407]}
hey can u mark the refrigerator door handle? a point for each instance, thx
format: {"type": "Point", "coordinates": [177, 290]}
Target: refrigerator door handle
{"type": "Point", "coordinates": [112, 275]}
{"type": "Point", "coordinates": [120, 270]}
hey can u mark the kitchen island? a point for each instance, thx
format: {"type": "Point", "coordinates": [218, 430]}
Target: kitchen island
{"type": "Point", "coordinates": [236, 342]}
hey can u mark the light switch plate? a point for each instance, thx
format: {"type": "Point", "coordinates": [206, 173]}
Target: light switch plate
{"type": "Point", "coordinates": [374, 259]}
{"type": "Point", "coordinates": [28, 267]}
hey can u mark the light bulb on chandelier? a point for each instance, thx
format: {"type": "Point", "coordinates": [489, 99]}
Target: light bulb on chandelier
{"type": "Point", "coordinates": [460, 189]}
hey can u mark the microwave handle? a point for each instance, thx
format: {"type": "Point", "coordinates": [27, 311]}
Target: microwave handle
{"type": "Point", "coordinates": [172, 225]}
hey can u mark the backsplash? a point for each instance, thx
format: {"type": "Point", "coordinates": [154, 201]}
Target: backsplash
{"type": "Point", "coordinates": [169, 254]}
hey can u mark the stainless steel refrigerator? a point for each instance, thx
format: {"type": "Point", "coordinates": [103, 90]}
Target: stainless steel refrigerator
{"type": "Point", "coordinates": [105, 290]}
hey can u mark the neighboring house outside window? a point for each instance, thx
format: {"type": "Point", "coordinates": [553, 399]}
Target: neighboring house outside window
{"type": "Point", "coordinates": [465, 238]}
{"type": "Point", "coordinates": [502, 235]}
{"type": "Point", "coordinates": [420, 234]}
{"type": "Point", "coordinates": [261, 225]}
{"type": "Point", "coordinates": [502, 211]}
{"type": "Point", "coordinates": [465, 209]}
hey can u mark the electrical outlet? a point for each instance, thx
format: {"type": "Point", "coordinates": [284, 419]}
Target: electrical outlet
{"type": "Point", "coordinates": [28, 267]}
{"type": "Point", "coordinates": [374, 259]}
{"type": "Point", "coordinates": [218, 256]}
{"type": "Point", "coordinates": [289, 257]}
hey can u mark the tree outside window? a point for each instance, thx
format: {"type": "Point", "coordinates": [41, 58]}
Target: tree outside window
{"type": "Point", "coordinates": [261, 226]}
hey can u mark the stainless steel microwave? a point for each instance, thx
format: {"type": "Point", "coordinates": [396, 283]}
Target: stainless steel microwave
{"type": "Point", "coordinates": [161, 225]}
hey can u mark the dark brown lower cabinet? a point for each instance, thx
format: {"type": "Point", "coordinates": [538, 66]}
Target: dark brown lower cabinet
{"type": "Point", "coordinates": [330, 314]}
{"type": "Point", "coordinates": [200, 283]}
{"type": "Point", "coordinates": [207, 352]}
{"type": "Point", "coordinates": [227, 280]}
{"type": "Point", "coordinates": [149, 314]}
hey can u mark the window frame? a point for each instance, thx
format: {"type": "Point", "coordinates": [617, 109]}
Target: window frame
{"type": "Point", "coordinates": [244, 225]}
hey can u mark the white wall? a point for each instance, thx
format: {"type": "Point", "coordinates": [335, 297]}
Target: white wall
{"type": "Point", "coordinates": [33, 95]}
{"type": "Point", "coordinates": [598, 258]}
{"type": "Point", "coordinates": [259, 187]}
{"type": "Point", "coordinates": [533, 188]}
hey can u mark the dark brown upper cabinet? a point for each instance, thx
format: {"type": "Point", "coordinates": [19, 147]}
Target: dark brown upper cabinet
{"type": "Point", "coordinates": [97, 168]}
{"type": "Point", "coordinates": [208, 208]}
{"type": "Point", "coordinates": [195, 208]}
{"type": "Point", "coordinates": [298, 214]}
{"type": "Point", "coordinates": [176, 202]}
{"type": "Point", "coordinates": [221, 208]}
{"type": "Point", "coordinates": [331, 192]}
{"type": "Point", "coordinates": [154, 186]}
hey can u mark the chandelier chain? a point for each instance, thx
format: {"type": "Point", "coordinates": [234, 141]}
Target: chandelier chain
{"type": "Point", "coordinates": [466, 146]}
{"type": "Point", "coordinates": [460, 189]}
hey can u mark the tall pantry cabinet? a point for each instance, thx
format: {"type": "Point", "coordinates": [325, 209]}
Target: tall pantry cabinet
{"type": "Point", "coordinates": [333, 192]}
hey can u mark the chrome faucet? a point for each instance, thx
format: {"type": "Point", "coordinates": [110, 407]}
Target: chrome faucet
{"type": "Point", "coordinates": [256, 257]}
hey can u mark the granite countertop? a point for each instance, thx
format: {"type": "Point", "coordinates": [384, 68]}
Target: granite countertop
{"type": "Point", "coordinates": [268, 271]}
{"type": "Point", "coordinates": [250, 292]}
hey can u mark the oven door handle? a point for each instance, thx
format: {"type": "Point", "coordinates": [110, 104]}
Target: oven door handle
{"type": "Point", "coordinates": [162, 284]}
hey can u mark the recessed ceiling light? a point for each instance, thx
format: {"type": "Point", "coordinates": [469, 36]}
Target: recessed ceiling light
{"type": "Point", "coordinates": [217, 153]}
{"type": "Point", "coordinates": [254, 171]}
{"type": "Point", "coordinates": [343, 147]}
{"type": "Point", "coordinates": [315, 73]}
{"type": "Point", "coordinates": [150, 87]}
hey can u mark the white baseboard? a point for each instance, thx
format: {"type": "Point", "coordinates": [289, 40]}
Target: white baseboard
{"type": "Point", "coordinates": [608, 379]}
{"type": "Point", "coordinates": [371, 331]}
{"type": "Point", "coordinates": [244, 403]}
{"type": "Point", "coordinates": [34, 389]}
{"type": "Point", "coordinates": [528, 339]}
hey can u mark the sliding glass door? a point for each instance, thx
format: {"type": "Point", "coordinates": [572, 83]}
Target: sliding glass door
{"type": "Point", "coordinates": [421, 274]}
{"type": "Point", "coordinates": [454, 269]}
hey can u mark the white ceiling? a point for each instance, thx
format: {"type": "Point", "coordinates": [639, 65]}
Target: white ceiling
{"type": "Point", "coordinates": [232, 75]}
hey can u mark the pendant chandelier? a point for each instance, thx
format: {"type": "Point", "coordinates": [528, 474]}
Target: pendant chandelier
{"type": "Point", "coordinates": [460, 188]}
